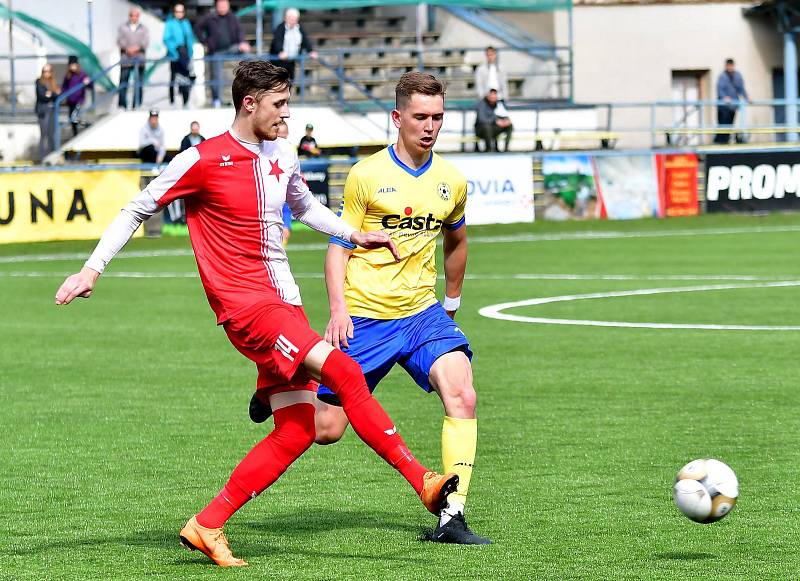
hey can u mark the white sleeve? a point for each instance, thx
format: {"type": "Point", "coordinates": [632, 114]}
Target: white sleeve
{"type": "Point", "coordinates": [121, 230]}
{"type": "Point", "coordinates": [180, 179]}
{"type": "Point", "coordinates": [308, 210]}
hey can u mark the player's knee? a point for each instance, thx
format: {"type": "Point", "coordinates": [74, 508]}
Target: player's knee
{"type": "Point", "coordinates": [296, 439]}
{"type": "Point", "coordinates": [459, 398]}
{"type": "Point", "coordinates": [469, 399]}
{"type": "Point", "coordinates": [331, 423]}
{"type": "Point", "coordinates": [296, 434]}
{"type": "Point", "coordinates": [328, 435]}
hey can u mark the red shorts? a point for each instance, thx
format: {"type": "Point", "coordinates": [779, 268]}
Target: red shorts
{"type": "Point", "coordinates": [277, 337]}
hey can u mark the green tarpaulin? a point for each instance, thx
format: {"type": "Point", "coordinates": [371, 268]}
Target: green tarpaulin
{"type": "Point", "coordinates": [71, 45]}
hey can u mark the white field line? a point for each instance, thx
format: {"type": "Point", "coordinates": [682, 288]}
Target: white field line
{"type": "Point", "coordinates": [495, 311]}
{"type": "Point", "coordinates": [513, 238]}
{"type": "Point", "coordinates": [501, 277]}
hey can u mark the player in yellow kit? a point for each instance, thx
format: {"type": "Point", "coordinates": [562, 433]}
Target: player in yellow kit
{"type": "Point", "coordinates": [385, 312]}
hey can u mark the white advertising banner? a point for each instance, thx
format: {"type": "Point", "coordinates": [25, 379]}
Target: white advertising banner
{"type": "Point", "coordinates": [499, 187]}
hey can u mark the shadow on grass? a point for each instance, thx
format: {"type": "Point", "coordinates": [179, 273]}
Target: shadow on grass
{"type": "Point", "coordinates": [684, 556]}
{"type": "Point", "coordinates": [250, 539]}
{"type": "Point", "coordinates": [306, 523]}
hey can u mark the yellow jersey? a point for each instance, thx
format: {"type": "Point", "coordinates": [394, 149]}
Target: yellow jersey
{"type": "Point", "coordinates": [382, 193]}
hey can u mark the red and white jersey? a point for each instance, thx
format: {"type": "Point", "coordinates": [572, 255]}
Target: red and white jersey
{"type": "Point", "coordinates": [234, 193]}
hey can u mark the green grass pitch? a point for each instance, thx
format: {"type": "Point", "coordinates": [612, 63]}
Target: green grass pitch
{"type": "Point", "coordinates": [123, 415]}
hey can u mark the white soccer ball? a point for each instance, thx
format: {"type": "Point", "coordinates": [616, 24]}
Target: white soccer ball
{"type": "Point", "coordinates": [706, 490]}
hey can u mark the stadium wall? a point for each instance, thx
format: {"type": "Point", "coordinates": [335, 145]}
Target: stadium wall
{"type": "Point", "coordinates": [667, 37]}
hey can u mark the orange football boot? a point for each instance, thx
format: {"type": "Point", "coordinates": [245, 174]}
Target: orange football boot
{"type": "Point", "coordinates": [436, 488]}
{"type": "Point", "coordinates": [211, 542]}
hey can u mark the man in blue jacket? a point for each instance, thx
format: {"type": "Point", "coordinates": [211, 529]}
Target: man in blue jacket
{"type": "Point", "coordinates": [730, 89]}
{"type": "Point", "coordinates": [179, 38]}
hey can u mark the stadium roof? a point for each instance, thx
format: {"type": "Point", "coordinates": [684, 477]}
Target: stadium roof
{"type": "Point", "coordinates": [786, 12]}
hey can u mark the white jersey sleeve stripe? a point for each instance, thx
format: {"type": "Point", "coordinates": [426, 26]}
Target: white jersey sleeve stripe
{"type": "Point", "coordinates": [263, 216]}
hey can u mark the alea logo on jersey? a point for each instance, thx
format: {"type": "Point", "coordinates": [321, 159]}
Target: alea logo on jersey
{"type": "Point", "coordinates": [409, 222]}
{"type": "Point", "coordinates": [386, 190]}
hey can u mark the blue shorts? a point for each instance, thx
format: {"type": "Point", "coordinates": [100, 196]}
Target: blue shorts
{"type": "Point", "coordinates": [414, 342]}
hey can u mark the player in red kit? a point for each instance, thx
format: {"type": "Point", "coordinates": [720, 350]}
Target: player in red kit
{"type": "Point", "coordinates": [234, 186]}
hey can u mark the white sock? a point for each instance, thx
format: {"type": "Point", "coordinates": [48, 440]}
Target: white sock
{"type": "Point", "coordinates": [451, 510]}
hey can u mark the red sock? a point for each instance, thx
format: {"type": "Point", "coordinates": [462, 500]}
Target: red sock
{"type": "Point", "coordinates": [263, 465]}
{"type": "Point", "coordinates": [368, 418]}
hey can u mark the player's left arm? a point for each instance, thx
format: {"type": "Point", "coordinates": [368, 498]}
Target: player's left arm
{"type": "Point", "coordinates": [455, 265]}
{"type": "Point", "coordinates": [455, 252]}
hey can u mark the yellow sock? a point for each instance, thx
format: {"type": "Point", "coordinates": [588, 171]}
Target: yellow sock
{"type": "Point", "coordinates": [459, 444]}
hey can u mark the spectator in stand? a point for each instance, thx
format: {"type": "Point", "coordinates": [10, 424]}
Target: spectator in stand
{"type": "Point", "coordinates": [151, 141]}
{"type": "Point", "coordinates": [490, 76]}
{"type": "Point", "coordinates": [730, 88]}
{"type": "Point", "coordinates": [46, 92]}
{"type": "Point", "coordinates": [489, 125]}
{"type": "Point", "coordinates": [221, 34]}
{"type": "Point", "coordinates": [308, 145]}
{"type": "Point", "coordinates": [289, 41]}
{"type": "Point", "coordinates": [178, 39]}
{"type": "Point", "coordinates": [193, 137]}
{"type": "Point", "coordinates": [75, 77]}
{"type": "Point", "coordinates": [132, 39]}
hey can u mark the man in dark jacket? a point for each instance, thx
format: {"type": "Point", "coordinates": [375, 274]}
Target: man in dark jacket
{"type": "Point", "coordinates": [488, 125]}
{"type": "Point", "coordinates": [221, 34]}
{"type": "Point", "coordinates": [193, 137]}
{"type": "Point", "coordinates": [289, 41]}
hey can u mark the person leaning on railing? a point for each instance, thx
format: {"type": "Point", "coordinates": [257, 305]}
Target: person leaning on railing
{"type": "Point", "coordinates": [46, 92]}
{"type": "Point", "coordinates": [75, 77]}
{"type": "Point", "coordinates": [730, 89]}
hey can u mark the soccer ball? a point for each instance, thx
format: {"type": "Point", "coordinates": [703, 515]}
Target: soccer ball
{"type": "Point", "coordinates": [705, 490]}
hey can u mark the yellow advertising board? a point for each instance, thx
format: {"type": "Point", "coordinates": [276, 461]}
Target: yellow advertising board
{"type": "Point", "coordinates": [62, 205]}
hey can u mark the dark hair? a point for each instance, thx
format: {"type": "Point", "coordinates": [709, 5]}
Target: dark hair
{"type": "Point", "coordinates": [728, 61]}
{"type": "Point", "coordinates": [255, 78]}
{"type": "Point", "coordinates": [416, 82]}
{"type": "Point", "coordinates": [490, 47]}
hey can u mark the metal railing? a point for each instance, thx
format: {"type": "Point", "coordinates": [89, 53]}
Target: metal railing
{"type": "Point", "coordinates": [624, 124]}
{"type": "Point", "coordinates": [653, 124]}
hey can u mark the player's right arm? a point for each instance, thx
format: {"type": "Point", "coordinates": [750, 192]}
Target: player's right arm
{"type": "Point", "coordinates": [181, 178]}
{"type": "Point", "coordinates": [354, 209]}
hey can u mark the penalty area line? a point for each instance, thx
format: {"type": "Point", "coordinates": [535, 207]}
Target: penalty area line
{"type": "Point", "coordinates": [496, 311]}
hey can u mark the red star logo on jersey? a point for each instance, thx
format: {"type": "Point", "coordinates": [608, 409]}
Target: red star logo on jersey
{"type": "Point", "coordinates": [275, 169]}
